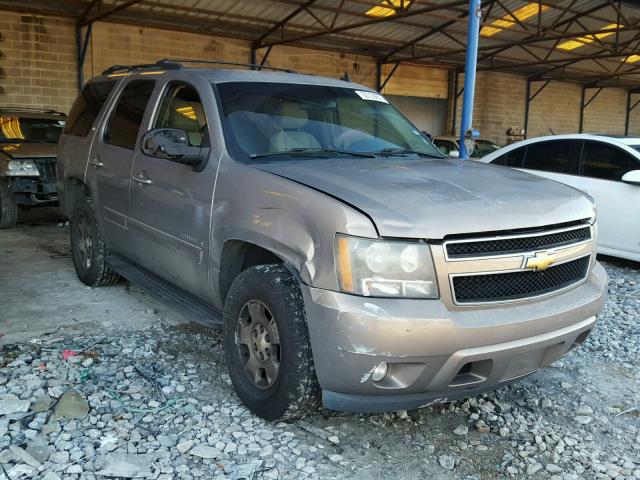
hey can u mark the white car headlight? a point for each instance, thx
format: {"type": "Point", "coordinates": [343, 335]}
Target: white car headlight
{"type": "Point", "coordinates": [385, 268]}
{"type": "Point", "coordinates": [22, 168]}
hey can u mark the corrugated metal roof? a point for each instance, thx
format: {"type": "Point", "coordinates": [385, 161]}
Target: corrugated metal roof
{"type": "Point", "coordinates": [433, 32]}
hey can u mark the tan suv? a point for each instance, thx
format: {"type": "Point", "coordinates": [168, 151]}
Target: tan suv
{"type": "Point", "coordinates": [344, 256]}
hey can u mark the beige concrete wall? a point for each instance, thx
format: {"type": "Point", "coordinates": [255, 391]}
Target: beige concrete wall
{"type": "Point", "coordinates": [38, 60]}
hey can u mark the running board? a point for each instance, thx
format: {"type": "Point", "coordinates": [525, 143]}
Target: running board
{"type": "Point", "coordinates": [192, 307]}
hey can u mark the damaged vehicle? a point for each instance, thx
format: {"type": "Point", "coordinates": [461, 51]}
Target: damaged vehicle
{"type": "Point", "coordinates": [28, 144]}
{"type": "Point", "coordinates": [346, 259]}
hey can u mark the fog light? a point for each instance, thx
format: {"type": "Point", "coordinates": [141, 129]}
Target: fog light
{"type": "Point", "coordinates": [379, 372]}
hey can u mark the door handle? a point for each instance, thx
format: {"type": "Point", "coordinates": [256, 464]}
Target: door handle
{"type": "Point", "coordinates": [96, 162]}
{"type": "Point", "coordinates": [142, 179]}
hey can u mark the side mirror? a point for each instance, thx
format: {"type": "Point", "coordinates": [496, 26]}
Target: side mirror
{"type": "Point", "coordinates": [632, 177]}
{"type": "Point", "coordinates": [172, 144]}
{"type": "Point", "coordinates": [454, 153]}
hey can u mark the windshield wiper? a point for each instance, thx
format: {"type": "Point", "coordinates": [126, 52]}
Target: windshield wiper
{"type": "Point", "coordinates": [403, 151]}
{"type": "Point", "coordinates": [298, 151]}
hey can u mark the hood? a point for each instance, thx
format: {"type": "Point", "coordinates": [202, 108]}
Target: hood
{"type": "Point", "coordinates": [17, 150]}
{"type": "Point", "coordinates": [432, 198]}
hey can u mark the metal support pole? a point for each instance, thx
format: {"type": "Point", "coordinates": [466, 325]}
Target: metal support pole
{"type": "Point", "coordinates": [526, 109]}
{"type": "Point", "coordinates": [581, 109]}
{"type": "Point", "coordinates": [626, 118]}
{"type": "Point", "coordinates": [81, 51]}
{"type": "Point", "coordinates": [470, 73]}
{"type": "Point", "coordinates": [454, 103]}
{"type": "Point", "coordinates": [378, 75]}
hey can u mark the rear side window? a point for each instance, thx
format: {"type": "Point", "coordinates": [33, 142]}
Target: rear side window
{"type": "Point", "coordinates": [552, 156]}
{"type": "Point", "coordinates": [124, 124]}
{"type": "Point", "coordinates": [513, 158]}
{"type": "Point", "coordinates": [600, 160]}
{"type": "Point", "coordinates": [86, 108]}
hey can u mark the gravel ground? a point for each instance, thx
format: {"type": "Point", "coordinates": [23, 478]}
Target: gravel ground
{"type": "Point", "coordinates": [154, 401]}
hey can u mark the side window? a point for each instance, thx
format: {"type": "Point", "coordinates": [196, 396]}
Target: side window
{"type": "Point", "coordinates": [512, 158]}
{"type": "Point", "coordinates": [445, 146]}
{"type": "Point", "coordinates": [124, 124]}
{"type": "Point", "coordinates": [552, 156]}
{"type": "Point", "coordinates": [181, 108]}
{"type": "Point", "coordinates": [86, 108]}
{"type": "Point", "coordinates": [601, 160]}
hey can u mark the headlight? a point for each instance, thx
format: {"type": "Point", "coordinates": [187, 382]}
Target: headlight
{"type": "Point", "coordinates": [22, 168]}
{"type": "Point", "coordinates": [382, 268]}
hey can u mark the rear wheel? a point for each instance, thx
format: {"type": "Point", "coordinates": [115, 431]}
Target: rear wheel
{"type": "Point", "coordinates": [88, 248]}
{"type": "Point", "coordinates": [267, 344]}
{"type": "Point", "coordinates": [8, 207]}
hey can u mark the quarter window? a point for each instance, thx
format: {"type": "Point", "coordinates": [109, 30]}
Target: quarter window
{"type": "Point", "coordinates": [86, 108]}
{"type": "Point", "coordinates": [512, 158]}
{"type": "Point", "coordinates": [182, 108]}
{"type": "Point", "coordinates": [552, 156]}
{"type": "Point", "coordinates": [124, 124]}
{"type": "Point", "coordinates": [600, 160]}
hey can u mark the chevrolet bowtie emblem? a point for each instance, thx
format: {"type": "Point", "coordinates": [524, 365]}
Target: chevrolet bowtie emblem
{"type": "Point", "coordinates": [540, 261]}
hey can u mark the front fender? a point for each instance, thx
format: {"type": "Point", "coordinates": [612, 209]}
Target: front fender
{"type": "Point", "coordinates": [294, 222]}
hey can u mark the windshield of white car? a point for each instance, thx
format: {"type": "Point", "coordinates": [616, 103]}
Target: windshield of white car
{"type": "Point", "coordinates": [635, 147]}
{"type": "Point", "coordinates": [263, 120]}
{"type": "Point", "coordinates": [18, 129]}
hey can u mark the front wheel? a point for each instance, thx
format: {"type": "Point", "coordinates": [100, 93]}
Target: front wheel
{"type": "Point", "coordinates": [88, 248]}
{"type": "Point", "coordinates": [267, 345]}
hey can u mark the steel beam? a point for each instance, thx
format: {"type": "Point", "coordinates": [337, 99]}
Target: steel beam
{"type": "Point", "coordinates": [283, 22]}
{"type": "Point", "coordinates": [86, 21]}
{"type": "Point", "coordinates": [366, 23]}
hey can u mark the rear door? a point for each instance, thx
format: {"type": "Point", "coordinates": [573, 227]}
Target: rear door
{"type": "Point", "coordinates": [111, 160]}
{"type": "Point", "coordinates": [171, 202]}
{"type": "Point", "coordinates": [601, 168]}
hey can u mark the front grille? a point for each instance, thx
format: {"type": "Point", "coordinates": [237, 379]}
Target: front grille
{"type": "Point", "coordinates": [502, 246]}
{"type": "Point", "coordinates": [499, 287]}
{"type": "Point", "coordinates": [47, 168]}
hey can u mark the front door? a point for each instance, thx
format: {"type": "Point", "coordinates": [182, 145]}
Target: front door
{"type": "Point", "coordinates": [171, 202]}
{"type": "Point", "coordinates": [111, 160]}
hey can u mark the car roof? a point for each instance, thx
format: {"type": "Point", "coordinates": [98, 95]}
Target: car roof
{"type": "Point", "coordinates": [614, 139]}
{"type": "Point", "coordinates": [224, 75]}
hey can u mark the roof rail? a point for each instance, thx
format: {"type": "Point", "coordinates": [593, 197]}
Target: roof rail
{"type": "Point", "coordinates": [143, 66]}
{"type": "Point", "coordinates": [253, 66]}
{"type": "Point", "coordinates": [30, 109]}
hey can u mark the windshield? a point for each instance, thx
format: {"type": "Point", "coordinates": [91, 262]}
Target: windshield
{"type": "Point", "coordinates": [273, 119]}
{"type": "Point", "coordinates": [30, 129]}
{"type": "Point", "coordinates": [635, 147]}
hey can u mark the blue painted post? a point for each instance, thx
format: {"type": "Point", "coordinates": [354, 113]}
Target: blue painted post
{"type": "Point", "coordinates": [470, 72]}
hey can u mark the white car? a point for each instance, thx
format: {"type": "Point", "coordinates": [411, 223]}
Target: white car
{"type": "Point", "coordinates": [606, 167]}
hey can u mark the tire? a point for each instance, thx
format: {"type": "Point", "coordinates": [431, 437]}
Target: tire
{"type": "Point", "coordinates": [8, 206]}
{"type": "Point", "coordinates": [88, 249]}
{"type": "Point", "coordinates": [269, 295]}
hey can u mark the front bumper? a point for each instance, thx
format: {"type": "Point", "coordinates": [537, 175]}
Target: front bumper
{"type": "Point", "coordinates": [32, 191]}
{"type": "Point", "coordinates": [436, 353]}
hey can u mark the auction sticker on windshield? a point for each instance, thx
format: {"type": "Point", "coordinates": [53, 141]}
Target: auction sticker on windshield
{"type": "Point", "coordinates": [376, 97]}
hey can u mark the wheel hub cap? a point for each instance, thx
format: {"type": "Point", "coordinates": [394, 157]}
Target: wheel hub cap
{"type": "Point", "coordinates": [258, 342]}
{"type": "Point", "coordinates": [85, 244]}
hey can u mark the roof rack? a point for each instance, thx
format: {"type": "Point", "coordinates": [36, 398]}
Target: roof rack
{"type": "Point", "coordinates": [30, 109]}
{"type": "Point", "coordinates": [253, 66]}
{"type": "Point", "coordinates": [177, 64]}
{"type": "Point", "coordinates": [167, 65]}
